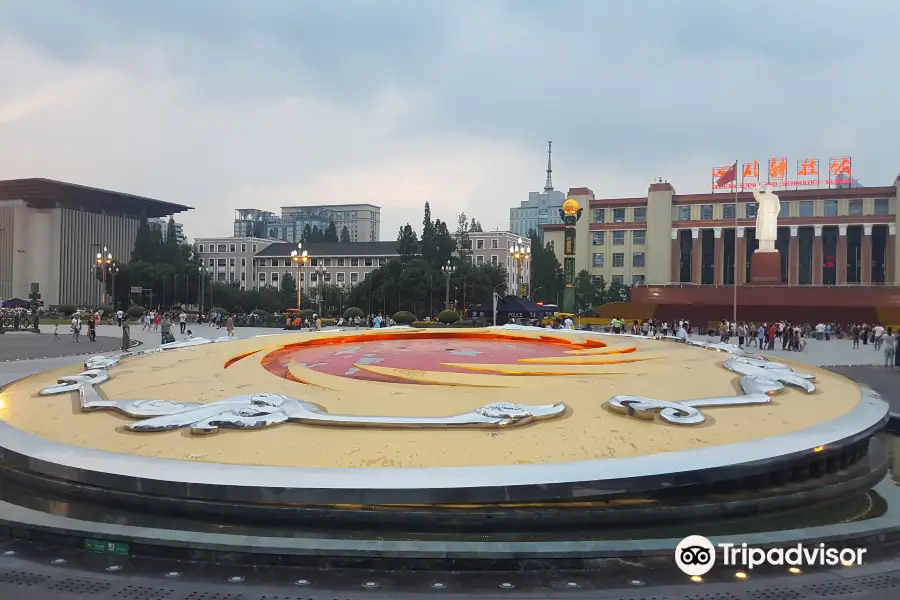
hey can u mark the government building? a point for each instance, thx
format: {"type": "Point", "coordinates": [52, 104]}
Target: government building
{"type": "Point", "coordinates": [837, 236]}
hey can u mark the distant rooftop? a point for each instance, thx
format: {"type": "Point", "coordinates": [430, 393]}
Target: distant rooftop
{"type": "Point", "coordinates": [48, 193]}
{"type": "Point", "coordinates": [333, 249]}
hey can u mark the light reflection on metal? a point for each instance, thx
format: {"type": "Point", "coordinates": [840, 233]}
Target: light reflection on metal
{"type": "Point", "coordinates": [73, 383]}
{"type": "Point", "coordinates": [761, 379]}
{"type": "Point", "coordinates": [685, 412]}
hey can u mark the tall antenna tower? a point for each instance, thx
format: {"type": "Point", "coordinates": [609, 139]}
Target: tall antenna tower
{"type": "Point", "coordinates": [548, 186]}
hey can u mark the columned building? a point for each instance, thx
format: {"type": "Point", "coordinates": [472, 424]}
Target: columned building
{"type": "Point", "coordinates": [494, 247]}
{"type": "Point", "coordinates": [840, 236]}
{"type": "Point", "coordinates": [52, 231]}
{"type": "Point", "coordinates": [344, 264]}
{"type": "Point", "coordinates": [230, 259]}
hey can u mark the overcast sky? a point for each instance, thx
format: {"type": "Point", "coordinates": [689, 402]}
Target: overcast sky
{"type": "Point", "coordinates": [224, 104]}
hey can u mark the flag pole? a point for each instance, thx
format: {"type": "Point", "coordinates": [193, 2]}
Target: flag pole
{"type": "Point", "coordinates": [734, 276]}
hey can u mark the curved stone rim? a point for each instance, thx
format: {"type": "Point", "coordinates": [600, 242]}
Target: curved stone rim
{"type": "Point", "coordinates": [435, 485]}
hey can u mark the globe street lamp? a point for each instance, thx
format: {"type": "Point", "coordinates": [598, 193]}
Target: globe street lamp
{"type": "Point", "coordinates": [520, 254]}
{"type": "Point", "coordinates": [448, 271]}
{"type": "Point", "coordinates": [299, 259]}
{"type": "Point", "coordinates": [104, 259]}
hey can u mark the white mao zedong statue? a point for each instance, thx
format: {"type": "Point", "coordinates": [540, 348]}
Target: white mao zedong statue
{"type": "Point", "coordinates": [767, 219]}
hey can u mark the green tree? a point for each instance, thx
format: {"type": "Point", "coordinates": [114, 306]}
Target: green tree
{"type": "Point", "coordinates": [428, 243]}
{"type": "Point", "coordinates": [170, 252]}
{"type": "Point", "coordinates": [306, 236]}
{"type": "Point", "coordinates": [330, 234]}
{"type": "Point", "coordinates": [345, 234]}
{"type": "Point", "coordinates": [475, 226]}
{"type": "Point", "coordinates": [546, 272]}
{"type": "Point", "coordinates": [249, 229]}
{"type": "Point", "coordinates": [407, 243]}
{"type": "Point", "coordinates": [585, 291]}
{"type": "Point", "coordinates": [463, 241]}
{"type": "Point", "coordinates": [288, 291]}
{"type": "Point", "coordinates": [147, 244]}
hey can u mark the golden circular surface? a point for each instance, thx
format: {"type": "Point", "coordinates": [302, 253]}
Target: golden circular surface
{"type": "Point", "coordinates": [570, 206]}
{"type": "Point", "coordinates": [583, 370]}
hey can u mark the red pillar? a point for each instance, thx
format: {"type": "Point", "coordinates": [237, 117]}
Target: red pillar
{"type": "Point", "coordinates": [740, 257]}
{"type": "Point", "coordinates": [889, 263]}
{"type": "Point", "coordinates": [675, 274]}
{"type": "Point", "coordinates": [865, 256]}
{"type": "Point", "coordinates": [719, 256]}
{"type": "Point", "coordinates": [794, 258]}
{"type": "Point", "coordinates": [817, 256]}
{"type": "Point", "coordinates": [696, 256]}
{"type": "Point", "coordinates": [840, 258]}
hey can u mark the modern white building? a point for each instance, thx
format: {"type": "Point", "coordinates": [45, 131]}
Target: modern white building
{"type": "Point", "coordinates": [230, 259]}
{"type": "Point", "coordinates": [495, 247]}
{"type": "Point", "coordinates": [52, 231]}
{"type": "Point", "coordinates": [363, 221]}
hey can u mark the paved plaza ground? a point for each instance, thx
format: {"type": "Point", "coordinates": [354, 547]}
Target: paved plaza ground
{"type": "Point", "coordinates": [25, 345]}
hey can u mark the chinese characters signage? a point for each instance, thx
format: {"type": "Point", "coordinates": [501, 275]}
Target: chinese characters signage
{"type": "Point", "coordinates": [778, 173]}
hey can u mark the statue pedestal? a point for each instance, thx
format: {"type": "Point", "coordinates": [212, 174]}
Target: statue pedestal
{"type": "Point", "coordinates": [765, 268]}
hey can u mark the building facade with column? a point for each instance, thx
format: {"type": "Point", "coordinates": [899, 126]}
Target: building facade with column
{"type": "Point", "coordinates": [344, 264]}
{"type": "Point", "coordinates": [230, 259]}
{"type": "Point", "coordinates": [495, 247]}
{"type": "Point", "coordinates": [51, 232]}
{"type": "Point", "coordinates": [839, 236]}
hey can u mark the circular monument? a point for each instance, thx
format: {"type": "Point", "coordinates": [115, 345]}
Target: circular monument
{"type": "Point", "coordinates": [424, 430]}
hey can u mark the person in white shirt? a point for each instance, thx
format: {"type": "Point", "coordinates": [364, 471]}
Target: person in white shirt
{"type": "Point", "coordinates": [182, 321]}
{"type": "Point", "coordinates": [568, 323]}
{"type": "Point", "coordinates": [76, 327]}
{"type": "Point", "coordinates": [878, 336]}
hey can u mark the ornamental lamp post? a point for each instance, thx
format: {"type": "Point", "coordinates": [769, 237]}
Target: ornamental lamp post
{"type": "Point", "coordinates": [299, 258]}
{"type": "Point", "coordinates": [104, 259]}
{"type": "Point", "coordinates": [320, 285]}
{"type": "Point", "coordinates": [114, 270]}
{"type": "Point", "coordinates": [520, 254]}
{"type": "Point", "coordinates": [448, 271]}
{"type": "Point", "coordinates": [570, 213]}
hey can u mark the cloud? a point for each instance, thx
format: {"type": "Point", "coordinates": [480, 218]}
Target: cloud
{"type": "Point", "coordinates": [229, 104]}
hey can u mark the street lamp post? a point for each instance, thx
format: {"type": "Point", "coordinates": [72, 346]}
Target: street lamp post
{"type": "Point", "coordinates": [448, 271]}
{"type": "Point", "coordinates": [321, 286]}
{"type": "Point", "coordinates": [496, 297]}
{"type": "Point", "coordinates": [520, 254]}
{"type": "Point", "coordinates": [104, 259]}
{"type": "Point", "coordinates": [299, 259]}
{"type": "Point", "coordinates": [114, 270]}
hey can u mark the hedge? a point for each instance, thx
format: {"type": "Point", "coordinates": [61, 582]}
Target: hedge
{"type": "Point", "coordinates": [448, 316]}
{"type": "Point", "coordinates": [404, 317]}
{"type": "Point", "coordinates": [353, 312]}
{"type": "Point", "coordinates": [136, 311]}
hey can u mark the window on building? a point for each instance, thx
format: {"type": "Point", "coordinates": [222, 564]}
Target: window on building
{"type": "Point", "coordinates": [599, 215]}
{"type": "Point", "coordinates": [619, 279]}
{"type": "Point", "coordinates": [597, 279]}
{"type": "Point", "coordinates": [639, 237]}
{"type": "Point", "coordinates": [618, 259]}
{"type": "Point", "coordinates": [881, 207]}
{"type": "Point", "coordinates": [231, 276]}
{"type": "Point", "coordinates": [640, 214]}
{"type": "Point", "coordinates": [637, 280]}
{"type": "Point", "coordinates": [243, 247]}
{"type": "Point", "coordinates": [684, 213]}
{"type": "Point", "coordinates": [243, 262]}
{"type": "Point", "coordinates": [254, 247]}
{"type": "Point", "coordinates": [221, 248]}
{"type": "Point", "coordinates": [637, 259]}
{"type": "Point", "coordinates": [494, 259]}
{"type": "Point", "coordinates": [618, 238]}
{"type": "Point", "coordinates": [212, 262]}
{"type": "Point", "coordinates": [340, 262]}
{"type": "Point", "coordinates": [274, 279]}
{"type": "Point", "coordinates": [382, 261]}
{"type": "Point", "coordinates": [354, 262]}
{"type": "Point", "coordinates": [830, 208]}
{"type": "Point", "coordinates": [479, 260]}
{"type": "Point", "coordinates": [327, 262]}
{"type": "Point", "coordinates": [220, 276]}
{"type": "Point", "coordinates": [706, 212]}
{"type": "Point", "coordinates": [855, 208]}
{"type": "Point", "coordinates": [728, 211]}
{"type": "Point", "coordinates": [340, 278]}
{"type": "Point", "coordinates": [784, 209]}
{"type": "Point", "coordinates": [231, 247]}
{"type": "Point", "coordinates": [805, 209]}
{"type": "Point", "coordinates": [598, 259]}
{"type": "Point", "coordinates": [495, 244]}
{"type": "Point", "coordinates": [243, 276]}
{"type": "Point", "coordinates": [367, 261]}
{"type": "Point", "coordinates": [221, 262]}
{"type": "Point", "coordinates": [262, 277]}
{"type": "Point", "coordinates": [479, 244]}
{"type": "Point", "coordinates": [618, 215]}
{"type": "Point", "coordinates": [751, 208]}
{"type": "Point", "coordinates": [302, 276]}
{"type": "Point", "coordinates": [598, 238]}
{"type": "Point", "coordinates": [313, 277]}
{"type": "Point", "coordinates": [200, 248]}
{"type": "Point", "coordinates": [231, 262]}
{"type": "Point", "coordinates": [354, 277]}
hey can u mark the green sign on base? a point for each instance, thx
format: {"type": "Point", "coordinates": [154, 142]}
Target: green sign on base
{"type": "Point", "coordinates": [103, 547]}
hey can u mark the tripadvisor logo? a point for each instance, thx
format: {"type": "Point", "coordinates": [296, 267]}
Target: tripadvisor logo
{"type": "Point", "coordinates": [695, 555]}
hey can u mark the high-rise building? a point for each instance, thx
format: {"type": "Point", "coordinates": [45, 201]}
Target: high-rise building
{"type": "Point", "coordinates": [363, 221]}
{"type": "Point", "coordinates": [541, 208]}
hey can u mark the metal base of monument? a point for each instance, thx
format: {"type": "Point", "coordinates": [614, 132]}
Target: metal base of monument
{"type": "Point", "coordinates": [852, 517]}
